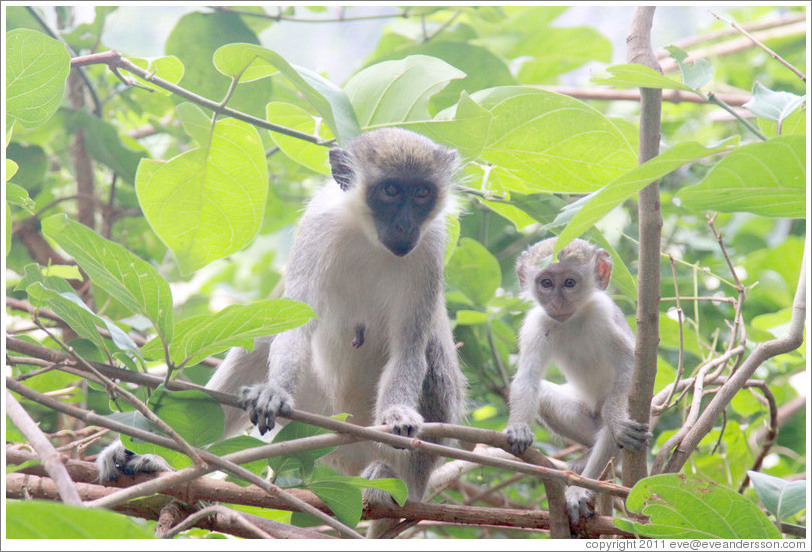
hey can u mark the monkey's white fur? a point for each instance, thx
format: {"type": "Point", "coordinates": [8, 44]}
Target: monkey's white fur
{"type": "Point", "coordinates": [593, 348]}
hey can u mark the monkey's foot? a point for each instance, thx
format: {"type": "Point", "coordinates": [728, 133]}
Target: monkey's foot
{"type": "Point", "coordinates": [378, 470]}
{"type": "Point", "coordinates": [115, 460]}
{"type": "Point", "coordinates": [264, 403]}
{"type": "Point", "coordinates": [403, 420]}
{"type": "Point", "coordinates": [520, 437]}
{"type": "Point", "coordinates": [580, 504]}
{"type": "Point", "coordinates": [632, 435]}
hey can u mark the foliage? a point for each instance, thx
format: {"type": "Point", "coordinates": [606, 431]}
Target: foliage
{"type": "Point", "coordinates": [200, 160]}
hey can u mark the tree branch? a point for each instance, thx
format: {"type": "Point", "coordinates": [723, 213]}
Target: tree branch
{"type": "Point", "coordinates": [51, 459]}
{"type": "Point", "coordinates": [116, 61]}
{"type": "Point", "coordinates": [650, 229]}
{"type": "Point", "coordinates": [764, 351]}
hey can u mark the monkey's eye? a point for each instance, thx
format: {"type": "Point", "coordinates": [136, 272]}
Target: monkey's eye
{"type": "Point", "coordinates": [422, 193]}
{"type": "Point", "coordinates": [391, 190]}
{"type": "Point", "coordinates": [570, 283]}
{"type": "Point", "coordinates": [546, 283]}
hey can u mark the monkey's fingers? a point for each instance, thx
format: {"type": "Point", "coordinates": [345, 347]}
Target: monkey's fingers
{"type": "Point", "coordinates": [580, 504]}
{"type": "Point", "coordinates": [520, 437]}
{"type": "Point", "coordinates": [403, 420]}
{"type": "Point", "coordinates": [634, 435]}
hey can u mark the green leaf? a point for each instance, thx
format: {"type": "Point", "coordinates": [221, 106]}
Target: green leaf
{"type": "Point", "coordinates": [195, 123]}
{"type": "Point", "coordinates": [794, 123]}
{"type": "Point", "coordinates": [195, 415]}
{"type": "Point", "coordinates": [17, 195]}
{"type": "Point", "coordinates": [775, 106]}
{"type": "Point", "coordinates": [695, 74]}
{"type": "Point", "coordinates": [483, 68]}
{"type": "Point", "coordinates": [471, 318]}
{"type": "Point", "coordinates": [168, 68]}
{"type": "Point", "coordinates": [11, 170]}
{"type": "Point", "coordinates": [764, 178]}
{"type": "Point", "coordinates": [70, 308]}
{"type": "Point", "coordinates": [474, 271]}
{"type": "Point", "coordinates": [37, 68]}
{"type": "Point", "coordinates": [307, 154]}
{"type": "Point", "coordinates": [346, 501]}
{"type": "Point", "coordinates": [467, 130]}
{"type": "Point", "coordinates": [540, 141]}
{"type": "Point", "coordinates": [304, 460]}
{"type": "Point", "coordinates": [236, 444]}
{"type": "Point", "coordinates": [207, 203]}
{"type": "Point", "coordinates": [551, 51]}
{"type": "Point", "coordinates": [130, 280]}
{"type": "Point", "coordinates": [40, 519]}
{"type": "Point", "coordinates": [326, 98]}
{"type": "Point", "coordinates": [782, 498]}
{"type": "Point", "coordinates": [398, 90]}
{"type": "Point", "coordinates": [235, 326]}
{"type": "Point", "coordinates": [592, 208]}
{"type": "Point", "coordinates": [635, 75]}
{"type": "Point", "coordinates": [682, 507]}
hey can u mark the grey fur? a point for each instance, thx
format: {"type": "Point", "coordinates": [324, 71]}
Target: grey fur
{"type": "Point", "coordinates": [584, 332]}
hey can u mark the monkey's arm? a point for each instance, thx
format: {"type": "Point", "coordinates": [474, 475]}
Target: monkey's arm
{"type": "Point", "coordinates": [288, 354]}
{"type": "Point", "coordinates": [524, 390]}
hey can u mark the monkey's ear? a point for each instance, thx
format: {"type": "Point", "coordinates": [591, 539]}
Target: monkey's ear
{"type": "Point", "coordinates": [342, 167]}
{"type": "Point", "coordinates": [603, 268]}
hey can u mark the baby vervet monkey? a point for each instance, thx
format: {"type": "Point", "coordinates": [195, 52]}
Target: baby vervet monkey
{"type": "Point", "coordinates": [368, 257]}
{"type": "Point", "coordinates": [577, 326]}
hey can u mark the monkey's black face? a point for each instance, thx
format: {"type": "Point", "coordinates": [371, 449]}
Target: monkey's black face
{"type": "Point", "coordinates": [399, 209]}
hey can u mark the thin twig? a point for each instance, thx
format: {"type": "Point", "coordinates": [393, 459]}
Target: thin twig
{"type": "Point", "coordinates": [761, 45]}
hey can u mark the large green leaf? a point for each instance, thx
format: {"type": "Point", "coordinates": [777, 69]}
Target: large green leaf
{"type": "Point", "coordinates": [236, 444]}
{"type": "Point", "coordinates": [541, 141]}
{"type": "Point", "coordinates": [326, 98]}
{"type": "Point", "coordinates": [483, 68]}
{"type": "Point", "coordinates": [764, 178]}
{"type": "Point", "coordinates": [235, 326]}
{"type": "Point", "coordinates": [686, 507]}
{"type": "Point", "coordinates": [474, 271]}
{"type": "Point", "coordinates": [467, 130]}
{"type": "Point", "coordinates": [131, 281]}
{"type": "Point", "coordinates": [194, 40]}
{"type": "Point", "coordinates": [40, 519]}
{"type": "Point", "coordinates": [307, 154]}
{"type": "Point", "coordinates": [195, 415]}
{"type": "Point", "coordinates": [398, 90]}
{"type": "Point", "coordinates": [595, 206]}
{"type": "Point", "coordinates": [37, 67]}
{"type": "Point", "coordinates": [70, 308]}
{"type": "Point", "coordinates": [343, 495]}
{"type": "Point", "coordinates": [782, 498]}
{"type": "Point", "coordinates": [207, 203]}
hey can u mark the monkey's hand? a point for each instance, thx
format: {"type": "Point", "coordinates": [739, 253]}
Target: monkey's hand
{"type": "Point", "coordinates": [630, 434]}
{"type": "Point", "coordinates": [580, 504]}
{"type": "Point", "coordinates": [403, 420]}
{"type": "Point", "coordinates": [519, 437]}
{"type": "Point", "coordinates": [264, 403]}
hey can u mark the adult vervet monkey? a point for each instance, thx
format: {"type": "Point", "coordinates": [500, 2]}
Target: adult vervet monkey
{"type": "Point", "coordinates": [368, 257]}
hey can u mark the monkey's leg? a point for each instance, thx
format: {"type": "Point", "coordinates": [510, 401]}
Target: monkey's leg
{"type": "Point", "coordinates": [240, 369]}
{"type": "Point", "coordinates": [567, 415]}
{"type": "Point", "coordinates": [580, 501]}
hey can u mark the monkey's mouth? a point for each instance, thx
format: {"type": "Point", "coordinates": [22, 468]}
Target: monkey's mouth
{"type": "Point", "coordinates": [560, 317]}
{"type": "Point", "coordinates": [400, 249]}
